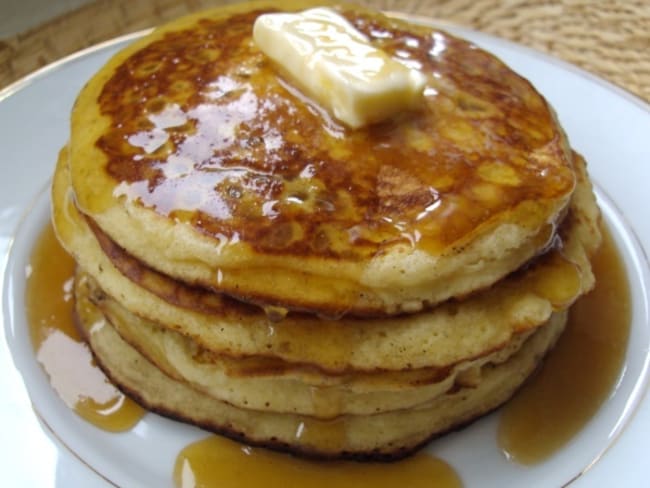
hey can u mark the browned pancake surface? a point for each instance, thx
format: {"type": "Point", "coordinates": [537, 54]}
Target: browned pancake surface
{"type": "Point", "coordinates": [204, 131]}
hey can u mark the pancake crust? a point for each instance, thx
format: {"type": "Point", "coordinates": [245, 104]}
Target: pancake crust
{"type": "Point", "coordinates": [191, 153]}
{"type": "Point", "coordinates": [385, 436]}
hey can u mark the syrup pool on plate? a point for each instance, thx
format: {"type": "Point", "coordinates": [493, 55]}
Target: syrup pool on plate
{"type": "Point", "coordinates": [579, 373]}
{"type": "Point", "coordinates": [59, 347]}
{"type": "Point", "coordinates": [216, 461]}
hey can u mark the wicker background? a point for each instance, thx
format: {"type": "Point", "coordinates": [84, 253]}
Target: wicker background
{"type": "Point", "coordinates": [609, 38]}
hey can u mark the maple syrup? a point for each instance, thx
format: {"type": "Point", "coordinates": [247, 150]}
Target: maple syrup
{"type": "Point", "coordinates": [60, 350]}
{"type": "Point", "coordinates": [578, 375]}
{"type": "Point", "coordinates": [468, 146]}
{"type": "Point", "coordinates": [216, 461]}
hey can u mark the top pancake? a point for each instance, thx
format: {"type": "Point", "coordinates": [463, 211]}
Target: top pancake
{"type": "Point", "coordinates": [192, 153]}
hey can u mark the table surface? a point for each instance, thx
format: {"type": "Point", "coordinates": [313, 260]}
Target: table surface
{"type": "Point", "coordinates": [608, 38]}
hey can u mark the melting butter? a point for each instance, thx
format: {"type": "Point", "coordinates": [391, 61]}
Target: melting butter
{"type": "Point", "coordinates": [336, 65]}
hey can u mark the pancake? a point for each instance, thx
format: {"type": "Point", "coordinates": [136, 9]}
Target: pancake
{"type": "Point", "coordinates": [260, 383]}
{"type": "Point", "coordinates": [382, 436]}
{"type": "Point", "coordinates": [450, 333]}
{"type": "Point", "coordinates": [192, 154]}
{"type": "Point", "coordinates": [249, 265]}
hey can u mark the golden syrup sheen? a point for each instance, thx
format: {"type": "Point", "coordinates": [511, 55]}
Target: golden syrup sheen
{"type": "Point", "coordinates": [216, 461]}
{"type": "Point", "coordinates": [60, 350]}
{"type": "Point", "coordinates": [202, 130]}
{"type": "Point", "coordinates": [579, 373]}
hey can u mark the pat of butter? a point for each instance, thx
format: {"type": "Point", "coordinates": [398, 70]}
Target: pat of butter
{"type": "Point", "coordinates": [334, 64]}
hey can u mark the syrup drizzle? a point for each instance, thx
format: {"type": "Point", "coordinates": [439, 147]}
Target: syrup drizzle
{"type": "Point", "coordinates": [239, 154]}
{"type": "Point", "coordinates": [216, 461]}
{"type": "Point", "coordinates": [579, 374]}
{"type": "Point", "coordinates": [60, 350]}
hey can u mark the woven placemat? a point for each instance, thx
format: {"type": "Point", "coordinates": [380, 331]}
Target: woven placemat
{"type": "Point", "coordinates": [608, 38]}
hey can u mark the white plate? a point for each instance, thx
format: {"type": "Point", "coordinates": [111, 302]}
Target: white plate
{"type": "Point", "coordinates": [607, 125]}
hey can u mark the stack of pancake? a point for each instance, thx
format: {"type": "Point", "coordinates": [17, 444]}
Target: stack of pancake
{"type": "Point", "coordinates": [249, 265]}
